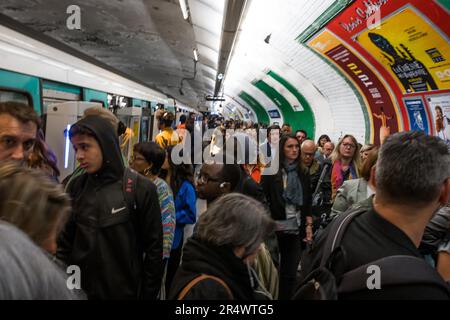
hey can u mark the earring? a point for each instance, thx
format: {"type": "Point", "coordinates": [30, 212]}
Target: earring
{"type": "Point", "coordinates": [147, 171]}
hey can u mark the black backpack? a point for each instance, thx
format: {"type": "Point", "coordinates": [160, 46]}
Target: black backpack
{"type": "Point", "coordinates": [323, 284]}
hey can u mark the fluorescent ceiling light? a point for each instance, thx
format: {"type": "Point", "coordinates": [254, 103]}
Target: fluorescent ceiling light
{"type": "Point", "coordinates": [195, 54]}
{"type": "Point", "coordinates": [67, 148]}
{"type": "Point", "coordinates": [184, 9]}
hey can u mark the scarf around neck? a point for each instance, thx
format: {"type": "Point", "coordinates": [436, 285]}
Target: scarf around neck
{"type": "Point", "coordinates": [337, 176]}
{"type": "Point", "coordinates": [293, 191]}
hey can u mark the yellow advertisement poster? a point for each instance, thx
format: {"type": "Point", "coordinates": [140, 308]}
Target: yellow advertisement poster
{"type": "Point", "coordinates": [415, 54]}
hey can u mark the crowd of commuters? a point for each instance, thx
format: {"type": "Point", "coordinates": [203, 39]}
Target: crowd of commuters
{"type": "Point", "coordinates": [270, 212]}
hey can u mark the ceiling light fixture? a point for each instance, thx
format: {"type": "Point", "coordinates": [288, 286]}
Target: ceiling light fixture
{"type": "Point", "coordinates": [184, 9]}
{"type": "Point", "coordinates": [195, 54]}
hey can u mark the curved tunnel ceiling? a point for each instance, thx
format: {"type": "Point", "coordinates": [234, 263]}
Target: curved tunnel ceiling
{"type": "Point", "coordinates": [315, 62]}
{"type": "Point", "coordinates": [316, 47]}
{"type": "Point", "coordinates": [280, 68]}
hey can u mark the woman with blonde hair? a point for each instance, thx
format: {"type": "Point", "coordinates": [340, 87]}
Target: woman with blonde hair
{"type": "Point", "coordinates": [346, 162]}
{"type": "Point", "coordinates": [33, 203]}
{"type": "Point", "coordinates": [357, 190]}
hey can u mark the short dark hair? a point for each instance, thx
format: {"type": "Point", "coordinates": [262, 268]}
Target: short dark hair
{"type": "Point", "coordinates": [272, 127]}
{"type": "Point", "coordinates": [321, 137]}
{"type": "Point", "coordinates": [303, 131]}
{"type": "Point", "coordinates": [183, 118]}
{"type": "Point", "coordinates": [371, 160]}
{"type": "Point", "coordinates": [411, 168]}
{"type": "Point", "coordinates": [167, 118]}
{"type": "Point", "coordinates": [180, 172]}
{"type": "Point", "coordinates": [23, 112]}
{"type": "Point", "coordinates": [152, 153]}
{"type": "Point", "coordinates": [231, 173]}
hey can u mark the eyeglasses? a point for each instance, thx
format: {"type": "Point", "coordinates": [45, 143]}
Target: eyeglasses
{"type": "Point", "coordinates": [349, 145]}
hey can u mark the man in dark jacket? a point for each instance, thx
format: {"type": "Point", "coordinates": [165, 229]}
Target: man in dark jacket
{"type": "Point", "coordinates": [118, 249]}
{"type": "Point", "coordinates": [413, 182]}
{"type": "Point", "coordinates": [314, 169]}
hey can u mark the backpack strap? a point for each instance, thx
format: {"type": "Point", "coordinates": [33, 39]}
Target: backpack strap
{"type": "Point", "coordinates": [129, 182]}
{"type": "Point", "coordinates": [129, 188]}
{"type": "Point", "coordinates": [337, 230]}
{"type": "Point", "coordinates": [395, 270]}
{"type": "Point", "coordinates": [322, 175]}
{"type": "Point", "coordinates": [202, 277]}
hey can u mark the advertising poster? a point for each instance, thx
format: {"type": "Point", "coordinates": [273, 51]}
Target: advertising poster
{"type": "Point", "coordinates": [411, 49]}
{"type": "Point", "coordinates": [440, 109]}
{"type": "Point", "coordinates": [405, 42]}
{"type": "Point", "coordinates": [417, 114]}
{"type": "Point", "coordinates": [379, 103]}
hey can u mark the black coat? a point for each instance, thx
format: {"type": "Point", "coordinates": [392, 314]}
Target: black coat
{"type": "Point", "coordinates": [106, 239]}
{"type": "Point", "coordinates": [273, 189]}
{"type": "Point", "coordinates": [251, 188]}
{"type": "Point", "coordinates": [200, 258]}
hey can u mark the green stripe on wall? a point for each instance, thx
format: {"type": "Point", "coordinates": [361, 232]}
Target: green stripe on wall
{"type": "Point", "coordinates": [286, 109]}
{"type": "Point", "coordinates": [19, 81]}
{"type": "Point", "coordinates": [445, 4]}
{"type": "Point", "coordinates": [261, 113]}
{"type": "Point", "coordinates": [306, 116]}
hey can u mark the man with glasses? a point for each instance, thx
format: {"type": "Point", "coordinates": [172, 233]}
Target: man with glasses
{"type": "Point", "coordinates": [18, 130]}
{"type": "Point", "coordinates": [216, 179]}
{"type": "Point", "coordinates": [315, 168]}
{"type": "Point", "coordinates": [308, 151]}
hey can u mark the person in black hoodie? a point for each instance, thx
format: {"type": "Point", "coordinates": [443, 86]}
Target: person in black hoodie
{"type": "Point", "coordinates": [216, 259]}
{"type": "Point", "coordinates": [118, 249]}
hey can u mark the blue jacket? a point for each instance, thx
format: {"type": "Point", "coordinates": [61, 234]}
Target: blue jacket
{"type": "Point", "coordinates": [186, 211]}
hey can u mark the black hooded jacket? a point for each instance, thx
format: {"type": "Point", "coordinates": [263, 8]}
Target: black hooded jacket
{"type": "Point", "coordinates": [200, 258]}
{"type": "Point", "coordinates": [119, 251]}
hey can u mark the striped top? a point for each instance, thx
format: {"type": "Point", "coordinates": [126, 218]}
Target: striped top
{"type": "Point", "coordinates": [167, 214]}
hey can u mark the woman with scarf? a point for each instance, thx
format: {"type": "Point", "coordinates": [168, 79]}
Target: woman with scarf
{"type": "Point", "coordinates": [289, 196]}
{"type": "Point", "coordinates": [346, 162]}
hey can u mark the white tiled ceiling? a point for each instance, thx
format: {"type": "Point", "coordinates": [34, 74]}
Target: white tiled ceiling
{"type": "Point", "coordinates": [335, 105]}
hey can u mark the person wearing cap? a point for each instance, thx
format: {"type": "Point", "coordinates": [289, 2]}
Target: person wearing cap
{"type": "Point", "coordinates": [167, 137]}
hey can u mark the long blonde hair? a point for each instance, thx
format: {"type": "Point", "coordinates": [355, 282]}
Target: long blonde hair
{"type": "Point", "coordinates": [32, 202]}
{"type": "Point", "coordinates": [356, 156]}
